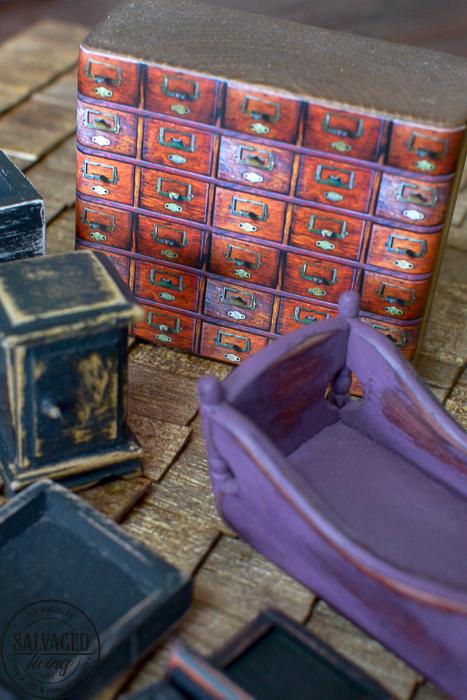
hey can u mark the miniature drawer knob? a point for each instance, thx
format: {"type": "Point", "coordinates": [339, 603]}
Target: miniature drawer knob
{"type": "Point", "coordinates": [50, 410]}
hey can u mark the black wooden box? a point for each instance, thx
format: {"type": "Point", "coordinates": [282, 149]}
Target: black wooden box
{"type": "Point", "coordinates": [63, 344]}
{"type": "Point", "coordinates": [22, 216]}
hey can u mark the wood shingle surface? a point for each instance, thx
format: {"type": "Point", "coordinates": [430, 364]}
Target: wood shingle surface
{"type": "Point", "coordinates": [171, 508]}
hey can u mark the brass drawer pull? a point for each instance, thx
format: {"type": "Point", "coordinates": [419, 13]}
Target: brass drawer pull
{"type": "Point", "coordinates": [427, 146]}
{"type": "Point", "coordinates": [166, 282]}
{"type": "Point", "coordinates": [319, 277]}
{"type": "Point", "coordinates": [328, 228]}
{"type": "Point", "coordinates": [336, 177]}
{"type": "Point", "coordinates": [417, 194]}
{"type": "Point", "coordinates": [236, 298]}
{"type": "Point", "coordinates": [395, 297]}
{"type": "Point", "coordinates": [255, 158]}
{"type": "Point", "coordinates": [343, 125]}
{"type": "Point", "coordinates": [259, 212]}
{"type": "Point", "coordinates": [420, 246]}
{"type": "Point", "coordinates": [259, 108]}
{"type": "Point", "coordinates": [102, 72]}
{"type": "Point", "coordinates": [399, 338]}
{"type": "Point", "coordinates": [227, 340]}
{"type": "Point", "coordinates": [110, 179]}
{"type": "Point", "coordinates": [170, 138]}
{"type": "Point", "coordinates": [168, 236]}
{"type": "Point", "coordinates": [97, 222]}
{"type": "Point", "coordinates": [249, 259]}
{"type": "Point", "coordinates": [174, 189]}
{"type": "Point", "coordinates": [181, 88]}
{"type": "Point", "coordinates": [167, 324]}
{"type": "Point", "coordinates": [304, 320]}
{"type": "Point", "coordinates": [101, 121]}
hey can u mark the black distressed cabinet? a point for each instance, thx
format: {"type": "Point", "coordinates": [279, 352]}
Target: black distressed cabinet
{"type": "Point", "coordinates": [22, 217]}
{"type": "Point", "coordinates": [63, 340]}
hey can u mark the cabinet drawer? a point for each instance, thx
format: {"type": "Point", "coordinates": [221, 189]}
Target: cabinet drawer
{"type": "Point", "coordinates": [107, 129]}
{"type": "Point", "coordinates": [413, 201]}
{"type": "Point", "coordinates": [261, 113]}
{"type": "Point", "coordinates": [170, 328]}
{"type": "Point", "coordinates": [432, 151]}
{"type": "Point", "coordinates": [120, 262]}
{"type": "Point", "coordinates": [336, 131]}
{"type": "Point", "coordinates": [182, 95]}
{"type": "Point", "coordinates": [166, 285]}
{"type": "Point", "coordinates": [404, 337]}
{"type": "Point", "coordinates": [336, 183]}
{"type": "Point", "coordinates": [175, 195]}
{"type": "Point", "coordinates": [108, 179]}
{"type": "Point", "coordinates": [390, 296]}
{"type": "Point", "coordinates": [177, 146]}
{"type": "Point", "coordinates": [167, 241]}
{"type": "Point", "coordinates": [256, 165]}
{"type": "Point", "coordinates": [103, 225]}
{"type": "Point", "coordinates": [295, 314]}
{"type": "Point", "coordinates": [243, 260]}
{"type": "Point", "coordinates": [228, 345]}
{"type": "Point", "coordinates": [332, 234]}
{"type": "Point", "coordinates": [396, 249]}
{"type": "Point", "coordinates": [312, 277]}
{"type": "Point", "coordinates": [252, 214]}
{"type": "Point", "coordinates": [238, 304]}
{"type": "Point", "coordinates": [108, 78]}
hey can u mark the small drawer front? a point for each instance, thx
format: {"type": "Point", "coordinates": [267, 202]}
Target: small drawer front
{"type": "Point", "coordinates": [255, 165]}
{"type": "Point", "coordinates": [105, 77]}
{"type": "Point", "coordinates": [335, 183]}
{"type": "Point", "coordinates": [334, 131]}
{"type": "Point", "coordinates": [261, 113]}
{"type": "Point", "coordinates": [396, 249]}
{"type": "Point", "coordinates": [315, 278]}
{"type": "Point", "coordinates": [166, 285]}
{"type": "Point", "coordinates": [403, 336]}
{"type": "Point", "coordinates": [174, 195]}
{"type": "Point", "coordinates": [296, 314]}
{"type": "Point", "coordinates": [242, 260]}
{"type": "Point", "coordinates": [106, 129]}
{"type": "Point", "coordinates": [120, 262]}
{"type": "Point", "coordinates": [169, 328]}
{"type": "Point", "coordinates": [177, 146]}
{"type": "Point", "coordinates": [413, 201]}
{"type": "Point", "coordinates": [103, 225]}
{"type": "Point", "coordinates": [321, 232]}
{"type": "Point", "coordinates": [181, 95]}
{"type": "Point", "coordinates": [393, 297]}
{"type": "Point", "coordinates": [238, 304]}
{"type": "Point", "coordinates": [252, 214]}
{"type": "Point", "coordinates": [105, 178]}
{"type": "Point", "coordinates": [167, 241]}
{"type": "Point", "coordinates": [431, 151]}
{"type": "Point", "coordinates": [229, 345]}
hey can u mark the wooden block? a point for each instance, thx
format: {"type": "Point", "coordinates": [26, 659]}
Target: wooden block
{"type": "Point", "coordinates": [60, 236]}
{"type": "Point", "coordinates": [116, 498]}
{"type": "Point", "coordinates": [372, 657]}
{"type": "Point", "coordinates": [55, 178]}
{"type": "Point", "coordinates": [176, 537]}
{"type": "Point", "coordinates": [33, 58]}
{"type": "Point", "coordinates": [162, 443]}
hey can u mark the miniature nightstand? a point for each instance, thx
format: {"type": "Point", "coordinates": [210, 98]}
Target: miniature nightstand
{"type": "Point", "coordinates": [22, 217]}
{"type": "Point", "coordinates": [63, 334]}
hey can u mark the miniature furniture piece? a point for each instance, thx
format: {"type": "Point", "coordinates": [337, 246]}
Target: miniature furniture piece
{"type": "Point", "coordinates": [364, 502]}
{"type": "Point", "coordinates": [63, 550]}
{"type": "Point", "coordinates": [242, 172]}
{"type": "Point", "coordinates": [22, 215]}
{"type": "Point", "coordinates": [63, 339]}
{"type": "Point", "coordinates": [271, 659]}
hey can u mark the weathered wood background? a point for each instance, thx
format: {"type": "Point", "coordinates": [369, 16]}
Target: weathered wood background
{"type": "Point", "coordinates": [171, 508]}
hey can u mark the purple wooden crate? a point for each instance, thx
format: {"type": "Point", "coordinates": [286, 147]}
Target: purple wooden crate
{"type": "Point", "coordinates": [363, 502]}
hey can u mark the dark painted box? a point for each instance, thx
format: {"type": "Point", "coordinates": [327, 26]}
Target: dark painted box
{"type": "Point", "coordinates": [22, 215]}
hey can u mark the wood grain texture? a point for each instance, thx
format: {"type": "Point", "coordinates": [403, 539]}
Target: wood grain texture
{"type": "Point", "coordinates": [61, 233]}
{"type": "Point", "coordinates": [55, 180]}
{"type": "Point", "coordinates": [162, 442]}
{"type": "Point", "coordinates": [116, 498]}
{"type": "Point", "coordinates": [363, 651]}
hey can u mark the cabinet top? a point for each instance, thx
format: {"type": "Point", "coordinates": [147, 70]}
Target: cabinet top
{"type": "Point", "coordinates": [307, 62]}
{"type": "Point", "coordinates": [60, 295]}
